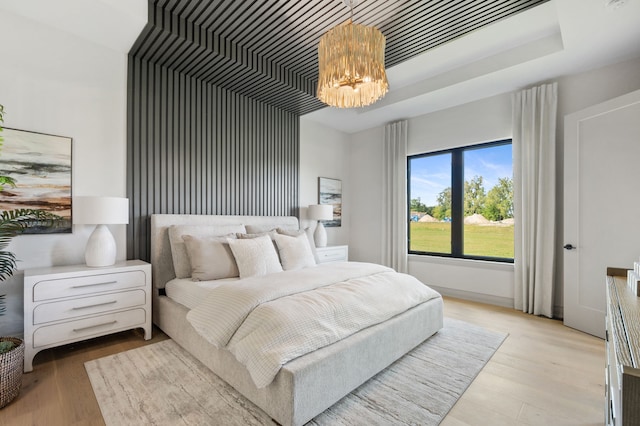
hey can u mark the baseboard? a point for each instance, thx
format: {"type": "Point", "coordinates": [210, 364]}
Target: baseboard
{"type": "Point", "coordinates": [504, 302]}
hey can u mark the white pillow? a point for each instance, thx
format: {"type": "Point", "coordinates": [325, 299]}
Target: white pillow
{"type": "Point", "coordinates": [255, 256]}
{"type": "Point", "coordinates": [295, 233]}
{"type": "Point", "coordinates": [258, 229]}
{"type": "Point", "coordinates": [181, 264]}
{"type": "Point", "coordinates": [295, 252]}
{"type": "Point", "coordinates": [210, 257]}
{"type": "Point", "coordinates": [248, 235]}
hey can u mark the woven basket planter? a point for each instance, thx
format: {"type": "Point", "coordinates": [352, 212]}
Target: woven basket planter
{"type": "Point", "coordinates": [11, 366]}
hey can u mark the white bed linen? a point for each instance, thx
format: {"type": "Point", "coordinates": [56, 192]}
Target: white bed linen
{"type": "Point", "coordinates": [191, 293]}
{"type": "Point", "coordinates": [270, 320]}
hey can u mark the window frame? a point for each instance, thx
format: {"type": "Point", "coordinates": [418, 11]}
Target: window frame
{"type": "Point", "coordinates": [457, 201]}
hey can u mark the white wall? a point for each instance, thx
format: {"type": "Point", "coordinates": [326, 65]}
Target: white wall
{"type": "Point", "coordinates": [324, 152]}
{"type": "Point", "coordinates": [365, 177]}
{"type": "Point", "coordinates": [56, 83]}
{"type": "Point", "coordinates": [480, 121]}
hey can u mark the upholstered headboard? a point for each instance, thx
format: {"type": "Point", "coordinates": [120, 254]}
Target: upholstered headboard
{"type": "Point", "coordinates": [161, 261]}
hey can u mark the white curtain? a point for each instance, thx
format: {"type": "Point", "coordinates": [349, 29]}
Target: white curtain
{"type": "Point", "coordinates": [534, 164]}
{"type": "Point", "coordinates": [394, 196]}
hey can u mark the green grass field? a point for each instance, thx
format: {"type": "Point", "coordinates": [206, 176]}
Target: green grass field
{"type": "Point", "coordinates": [479, 240]}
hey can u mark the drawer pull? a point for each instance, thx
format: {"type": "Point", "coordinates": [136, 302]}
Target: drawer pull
{"type": "Point", "coordinates": [76, 308]}
{"type": "Point", "coordinates": [90, 285]}
{"type": "Point", "coordinates": [76, 330]}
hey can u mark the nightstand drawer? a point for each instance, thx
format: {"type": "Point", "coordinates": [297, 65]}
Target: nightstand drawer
{"type": "Point", "coordinates": [90, 305]}
{"type": "Point", "coordinates": [332, 254]}
{"type": "Point", "coordinates": [88, 327]}
{"type": "Point", "coordinates": [87, 284]}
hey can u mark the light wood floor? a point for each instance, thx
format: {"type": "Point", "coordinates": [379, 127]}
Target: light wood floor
{"type": "Point", "coordinates": [543, 374]}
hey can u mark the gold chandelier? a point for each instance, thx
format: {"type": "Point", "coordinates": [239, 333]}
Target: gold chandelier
{"type": "Point", "coordinates": [351, 65]}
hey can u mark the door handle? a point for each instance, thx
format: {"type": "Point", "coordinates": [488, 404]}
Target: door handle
{"type": "Point", "coordinates": [568, 247]}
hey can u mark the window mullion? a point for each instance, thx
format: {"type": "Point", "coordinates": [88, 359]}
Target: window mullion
{"type": "Point", "coordinates": [457, 202]}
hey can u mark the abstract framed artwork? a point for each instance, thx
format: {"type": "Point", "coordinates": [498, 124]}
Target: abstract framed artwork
{"type": "Point", "coordinates": [330, 192]}
{"type": "Point", "coordinates": [40, 164]}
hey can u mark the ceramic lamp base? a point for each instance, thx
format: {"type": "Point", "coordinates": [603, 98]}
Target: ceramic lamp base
{"type": "Point", "coordinates": [320, 235]}
{"type": "Point", "coordinates": [101, 248]}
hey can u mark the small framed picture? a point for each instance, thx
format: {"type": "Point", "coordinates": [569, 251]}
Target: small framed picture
{"type": "Point", "coordinates": [330, 192]}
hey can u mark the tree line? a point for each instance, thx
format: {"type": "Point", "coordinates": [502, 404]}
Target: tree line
{"type": "Point", "coordinates": [497, 204]}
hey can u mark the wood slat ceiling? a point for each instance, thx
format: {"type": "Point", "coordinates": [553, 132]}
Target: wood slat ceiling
{"type": "Point", "coordinates": [267, 49]}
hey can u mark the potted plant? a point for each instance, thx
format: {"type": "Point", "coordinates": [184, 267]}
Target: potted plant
{"type": "Point", "coordinates": [11, 365]}
{"type": "Point", "coordinates": [12, 223]}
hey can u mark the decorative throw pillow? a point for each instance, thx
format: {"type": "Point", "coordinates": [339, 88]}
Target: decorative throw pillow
{"type": "Point", "coordinates": [290, 232]}
{"type": "Point", "coordinates": [210, 257]}
{"type": "Point", "coordinates": [248, 235]}
{"type": "Point", "coordinates": [294, 233]}
{"type": "Point", "coordinates": [295, 252]}
{"type": "Point", "coordinates": [181, 264]}
{"type": "Point", "coordinates": [258, 229]}
{"type": "Point", "coordinates": [255, 256]}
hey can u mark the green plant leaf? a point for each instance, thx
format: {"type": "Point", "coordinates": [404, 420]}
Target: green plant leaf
{"type": "Point", "coordinates": [7, 264]}
{"type": "Point", "coordinates": [6, 346]}
{"type": "Point", "coordinates": [3, 304]}
{"type": "Point", "coordinates": [12, 223]}
{"type": "Point", "coordinates": [6, 180]}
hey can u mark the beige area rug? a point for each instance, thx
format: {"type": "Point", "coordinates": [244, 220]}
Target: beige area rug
{"type": "Point", "coordinates": [161, 384]}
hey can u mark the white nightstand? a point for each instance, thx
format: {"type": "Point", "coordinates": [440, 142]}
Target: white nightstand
{"type": "Point", "coordinates": [64, 304]}
{"type": "Point", "coordinates": [332, 254]}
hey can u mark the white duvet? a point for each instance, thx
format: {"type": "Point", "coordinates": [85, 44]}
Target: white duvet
{"type": "Point", "coordinates": [269, 320]}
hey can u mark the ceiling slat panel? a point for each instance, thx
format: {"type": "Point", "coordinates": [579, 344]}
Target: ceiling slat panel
{"type": "Point", "coordinates": [267, 49]}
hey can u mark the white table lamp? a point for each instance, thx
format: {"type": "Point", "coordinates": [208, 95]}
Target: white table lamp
{"type": "Point", "coordinates": [100, 211]}
{"type": "Point", "coordinates": [320, 212]}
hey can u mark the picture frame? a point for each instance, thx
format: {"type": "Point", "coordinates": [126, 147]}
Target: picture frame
{"type": "Point", "coordinates": [330, 192]}
{"type": "Point", "coordinates": [40, 164]}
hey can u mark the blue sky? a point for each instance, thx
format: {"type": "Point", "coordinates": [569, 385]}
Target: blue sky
{"type": "Point", "coordinates": [430, 175]}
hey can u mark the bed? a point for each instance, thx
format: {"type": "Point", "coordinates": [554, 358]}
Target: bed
{"type": "Point", "coordinates": [307, 385]}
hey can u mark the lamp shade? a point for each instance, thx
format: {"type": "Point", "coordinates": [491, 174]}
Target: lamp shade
{"type": "Point", "coordinates": [320, 212]}
{"type": "Point", "coordinates": [100, 210]}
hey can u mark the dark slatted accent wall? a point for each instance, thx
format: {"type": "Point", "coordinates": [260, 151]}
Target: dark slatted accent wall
{"type": "Point", "coordinates": [196, 148]}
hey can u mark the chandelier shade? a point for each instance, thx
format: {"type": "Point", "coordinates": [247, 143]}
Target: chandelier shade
{"type": "Point", "coordinates": [351, 66]}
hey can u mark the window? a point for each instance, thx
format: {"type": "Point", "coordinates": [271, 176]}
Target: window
{"type": "Point", "coordinates": [461, 202]}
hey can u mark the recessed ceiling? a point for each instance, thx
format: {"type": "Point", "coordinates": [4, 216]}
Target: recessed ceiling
{"type": "Point", "coordinates": [267, 49]}
{"type": "Point", "coordinates": [93, 20]}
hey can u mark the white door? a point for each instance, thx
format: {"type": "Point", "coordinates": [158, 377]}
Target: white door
{"type": "Point", "coordinates": [601, 204]}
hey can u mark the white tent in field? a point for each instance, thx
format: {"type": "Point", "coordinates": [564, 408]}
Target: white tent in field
{"type": "Point", "coordinates": [428, 218]}
{"type": "Point", "coordinates": [475, 219]}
